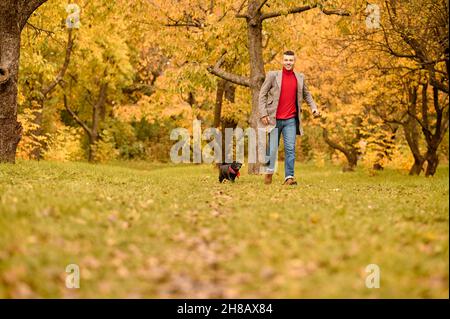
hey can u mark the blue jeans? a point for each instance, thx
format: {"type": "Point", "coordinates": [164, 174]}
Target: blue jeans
{"type": "Point", "coordinates": [288, 129]}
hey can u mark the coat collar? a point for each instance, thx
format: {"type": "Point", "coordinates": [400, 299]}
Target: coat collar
{"type": "Point", "coordinates": [279, 77]}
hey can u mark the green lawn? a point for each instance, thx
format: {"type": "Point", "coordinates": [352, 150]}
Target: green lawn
{"type": "Point", "coordinates": [165, 230]}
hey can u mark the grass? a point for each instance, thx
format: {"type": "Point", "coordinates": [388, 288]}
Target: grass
{"type": "Point", "coordinates": [164, 230]}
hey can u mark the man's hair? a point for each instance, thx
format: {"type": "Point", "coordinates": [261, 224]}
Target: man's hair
{"type": "Point", "coordinates": [289, 52]}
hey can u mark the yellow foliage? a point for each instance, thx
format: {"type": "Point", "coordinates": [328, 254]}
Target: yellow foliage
{"type": "Point", "coordinates": [319, 156]}
{"type": "Point", "coordinates": [104, 149]}
{"type": "Point", "coordinates": [30, 140]}
{"type": "Point", "coordinates": [65, 145]}
{"type": "Point", "coordinates": [401, 159]}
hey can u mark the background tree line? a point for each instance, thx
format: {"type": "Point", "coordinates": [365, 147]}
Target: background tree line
{"type": "Point", "coordinates": [116, 86]}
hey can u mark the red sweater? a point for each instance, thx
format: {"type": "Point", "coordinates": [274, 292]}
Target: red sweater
{"type": "Point", "coordinates": [288, 96]}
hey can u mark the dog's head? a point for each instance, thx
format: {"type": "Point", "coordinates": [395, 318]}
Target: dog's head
{"type": "Point", "coordinates": [236, 166]}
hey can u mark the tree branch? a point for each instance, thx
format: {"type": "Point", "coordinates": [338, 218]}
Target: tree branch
{"type": "Point", "coordinates": [425, 130]}
{"type": "Point", "coordinates": [339, 12]}
{"type": "Point", "coordinates": [184, 24]}
{"type": "Point", "coordinates": [440, 86]}
{"type": "Point", "coordinates": [425, 106]}
{"type": "Point", "coordinates": [236, 79]}
{"type": "Point", "coordinates": [263, 2]}
{"type": "Point", "coordinates": [63, 70]}
{"type": "Point", "coordinates": [391, 51]}
{"type": "Point", "coordinates": [76, 118]}
{"type": "Point", "coordinates": [39, 30]}
{"type": "Point", "coordinates": [280, 13]}
{"type": "Point", "coordinates": [386, 119]}
{"type": "Point", "coordinates": [238, 12]}
{"type": "Point", "coordinates": [333, 144]}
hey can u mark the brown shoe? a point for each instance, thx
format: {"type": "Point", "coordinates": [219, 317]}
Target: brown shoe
{"type": "Point", "coordinates": [290, 181]}
{"type": "Point", "coordinates": [268, 179]}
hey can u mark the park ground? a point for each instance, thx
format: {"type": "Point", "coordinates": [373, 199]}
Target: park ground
{"type": "Point", "coordinates": [154, 230]}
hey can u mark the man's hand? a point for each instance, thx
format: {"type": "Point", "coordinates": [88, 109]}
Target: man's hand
{"type": "Point", "coordinates": [316, 113]}
{"type": "Point", "coordinates": [265, 120]}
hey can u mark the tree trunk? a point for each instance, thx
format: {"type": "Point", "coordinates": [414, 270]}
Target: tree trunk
{"type": "Point", "coordinates": [412, 134]}
{"type": "Point", "coordinates": [219, 101]}
{"type": "Point", "coordinates": [416, 168]}
{"type": "Point", "coordinates": [441, 127]}
{"type": "Point", "coordinates": [257, 73]}
{"type": "Point", "coordinates": [13, 17]}
{"type": "Point", "coordinates": [432, 162]}
{"type": "Point", "coordinates": [218, 115]}
{"type": "Point", "coordinates": [352, 160]}
{"type": "Point", "coordinates": [96, 112]}
{"type": "Point", "coordinates": [10, 128]}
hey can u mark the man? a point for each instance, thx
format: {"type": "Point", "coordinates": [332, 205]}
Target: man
{"type": "Point", "coordinates": [280, 102]}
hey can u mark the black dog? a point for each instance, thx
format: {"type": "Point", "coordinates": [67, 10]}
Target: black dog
{"type": "Point", "coordinates": [229, 171]}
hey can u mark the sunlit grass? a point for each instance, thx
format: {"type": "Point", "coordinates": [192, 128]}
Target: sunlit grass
{"type": "Point", "coordinates": [165, 230]}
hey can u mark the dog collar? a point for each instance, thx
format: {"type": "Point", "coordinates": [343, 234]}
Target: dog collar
{"type": "Point", "coordinates": [233, 171]}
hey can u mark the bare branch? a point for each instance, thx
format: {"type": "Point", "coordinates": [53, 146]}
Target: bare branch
{"type": "Point", "coordinates": [333, 144]}
{"type": "Point", "coordinates": [238, 12]}
{"type": "Point", "coordinates": [390, 50]}
{"type": "Point", "coordinates": [440, 86]}
{"type": "Point", "coordinates": [263, 2]}
{"type": "Point", "coordinates": [184, 24]}
{"type": "Point", "coordinates": [236, 79]}
{"type": "Point", "coordinates": [425, 130]}
{"type": "Point", "coordinates": [272, 57]}
{"type": "Point", "coordinates": [76, 118]}
{"type": "Point", "coordinates": [339, 12]}
{"type": "Point", "coordinates": [39, 30]}
{"type": "Point", "coordinates": [280, 13]}
{"type": "Point", "coordinates": [242, 16]}
{"type": "Point", "coordinates": [63, 70]}
{"type": "Point", "coordinates": [386, 119]}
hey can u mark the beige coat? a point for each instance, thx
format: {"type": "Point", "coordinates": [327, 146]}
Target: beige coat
{"type": "Point", "coordinates": [270, 95]}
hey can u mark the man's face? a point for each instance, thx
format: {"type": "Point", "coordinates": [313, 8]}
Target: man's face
{"type": "Point", "coordinates": [288, 62]}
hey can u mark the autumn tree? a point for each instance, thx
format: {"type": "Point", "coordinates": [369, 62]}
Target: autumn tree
{"type": "Point", "coordinates": [425, 43]}
{"type": "Point", "coordinates": [413, 55]}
